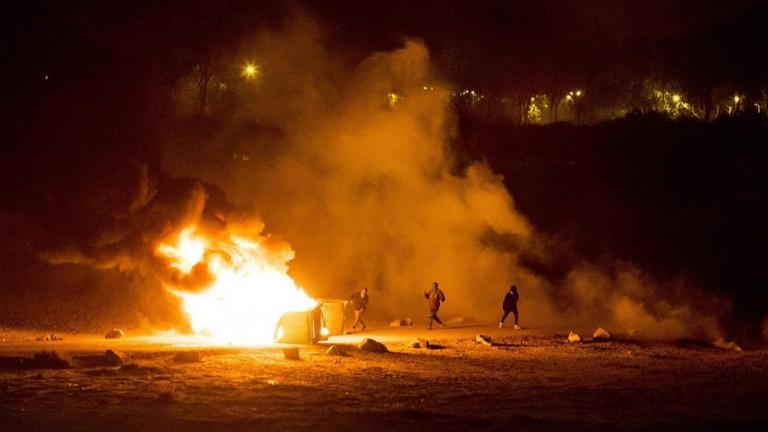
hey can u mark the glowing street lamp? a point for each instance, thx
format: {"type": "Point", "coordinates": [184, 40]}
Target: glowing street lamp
{"type": "Point", "coordinates": [571, 97]}
{"type": "Point", "coordinates": [250, 71]}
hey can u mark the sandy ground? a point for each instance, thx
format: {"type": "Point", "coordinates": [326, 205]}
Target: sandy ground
{"type": "Point", "coordinates": [531, 380]}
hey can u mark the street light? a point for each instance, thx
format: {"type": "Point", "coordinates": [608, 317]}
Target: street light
{"type": "Point", "coordinates": [571, 97]}
{"type": "Point", "coordinates": [250, 71]}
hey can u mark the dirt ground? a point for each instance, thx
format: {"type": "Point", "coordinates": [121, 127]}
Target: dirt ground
{"type": "Point", "coordinates": [531, 379]}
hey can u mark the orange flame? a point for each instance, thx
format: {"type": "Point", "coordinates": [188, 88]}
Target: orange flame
{"type": "Point", "coordinates": [249, 293]}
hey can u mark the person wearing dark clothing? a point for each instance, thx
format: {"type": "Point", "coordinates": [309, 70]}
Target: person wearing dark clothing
{"type": "Point", "coordinates": [358, 302]}
{"type": "Point", "coordinates": [435, 297]}
{"type": "Point", "coordinates": [510, 305]}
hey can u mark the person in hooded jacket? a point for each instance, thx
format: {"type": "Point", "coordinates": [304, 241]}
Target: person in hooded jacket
{"type": "Point", "coordinates": [510, 305]}
{"type": "Point", "coordinates": [435, 297]}
{"type": "Point", "coordinates": [358, 302]}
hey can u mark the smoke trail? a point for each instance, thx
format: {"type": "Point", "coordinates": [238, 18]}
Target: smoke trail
{"type": "Point", "coordinates": [350, 162]}
{"type": "Point", "coordinates": [362, 181]}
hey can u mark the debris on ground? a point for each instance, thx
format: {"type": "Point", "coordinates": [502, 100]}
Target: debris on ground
{"type": "Point", "coordinates": [726, 345]}
{"type": "Point", "coordinates": [114, 334]}
{"type": "Point", "coordinates": [50, 337]}
{"type": "Point", "coordinates": [420, 343]}
{"type": "Point", "coordinates": [371, 345]}
{"type": "Point", "coordinates": [336, 350]}
{"type": "Point", "coordinates": [601, 334]}
{"type": "Point", "coordinates": [188, 357]}
{"type": "Point", "coordinates": [291, 353]}
{"type": "Point", "coordinates": [483, 339]}
{"type": "Point", "coordinates": [405, 322]}
{"type": "Point", "coordinates": [115, 358]}
{"type": "Point", "coordinates": [573, 337]}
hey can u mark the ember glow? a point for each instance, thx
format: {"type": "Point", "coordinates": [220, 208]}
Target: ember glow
{"type": "Point", "coordinates": [249, 292]}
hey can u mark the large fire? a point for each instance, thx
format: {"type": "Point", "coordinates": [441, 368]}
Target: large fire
{"type": "Point", "coordinates": [249, 292]}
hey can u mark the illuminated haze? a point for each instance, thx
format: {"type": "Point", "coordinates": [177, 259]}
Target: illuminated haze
{"type": "Point", "coordinates": [370, 193]}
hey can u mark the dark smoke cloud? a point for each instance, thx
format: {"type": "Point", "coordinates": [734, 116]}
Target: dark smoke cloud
{"type": "Point", "coordinates": [371, 193]}
{"type": "Point", "coordinates": [365, 191]}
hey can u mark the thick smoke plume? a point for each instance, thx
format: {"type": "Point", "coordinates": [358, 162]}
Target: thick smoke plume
{"type": "Point", "coordinates": [353, 165]}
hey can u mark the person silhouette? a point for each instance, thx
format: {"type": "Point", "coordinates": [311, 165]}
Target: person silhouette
{"type": "Point", "coordinates": [510, 305]}
{"type": "Point", "coordinates": [435, 297]}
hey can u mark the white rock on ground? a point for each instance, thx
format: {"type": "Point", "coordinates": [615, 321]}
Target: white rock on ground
{"type": "Point", "coordinates": [573, 337]}
{"type": "Point", "coordinates": [483, 339]}
{"type": "Point", "coordinates": [601, 334]}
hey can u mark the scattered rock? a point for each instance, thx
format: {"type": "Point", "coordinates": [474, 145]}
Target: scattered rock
{"type": "Point", "coordinates": [723, 344]}
{"type": "Point", "coordinates": [115, 358]}
{"type": "Point", "coordinates": [336, 350]}
{"type": "Point", "coordinates": [454, 321]}
{"type": "Point", "coordinates": [601, 334]}
{"type": "Point", "coordinates": [50, 337]}
{"type": "Point", "coordinates": [420, 343]}
{"type": "Point", "coordinates": [573, 337]}
{"type": "Point", "coordinates": [291, 353]}
{"type": "Point", "coordinates": [371, 345]}
{"type": "Point", "coordinates": [483, 339]}
{"type": "Point", "coordinates": [192, 357]}
{"type": "Point", "coordinates": [401, 322]}
{"type": "Point", "coordinates": [114, 334]}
